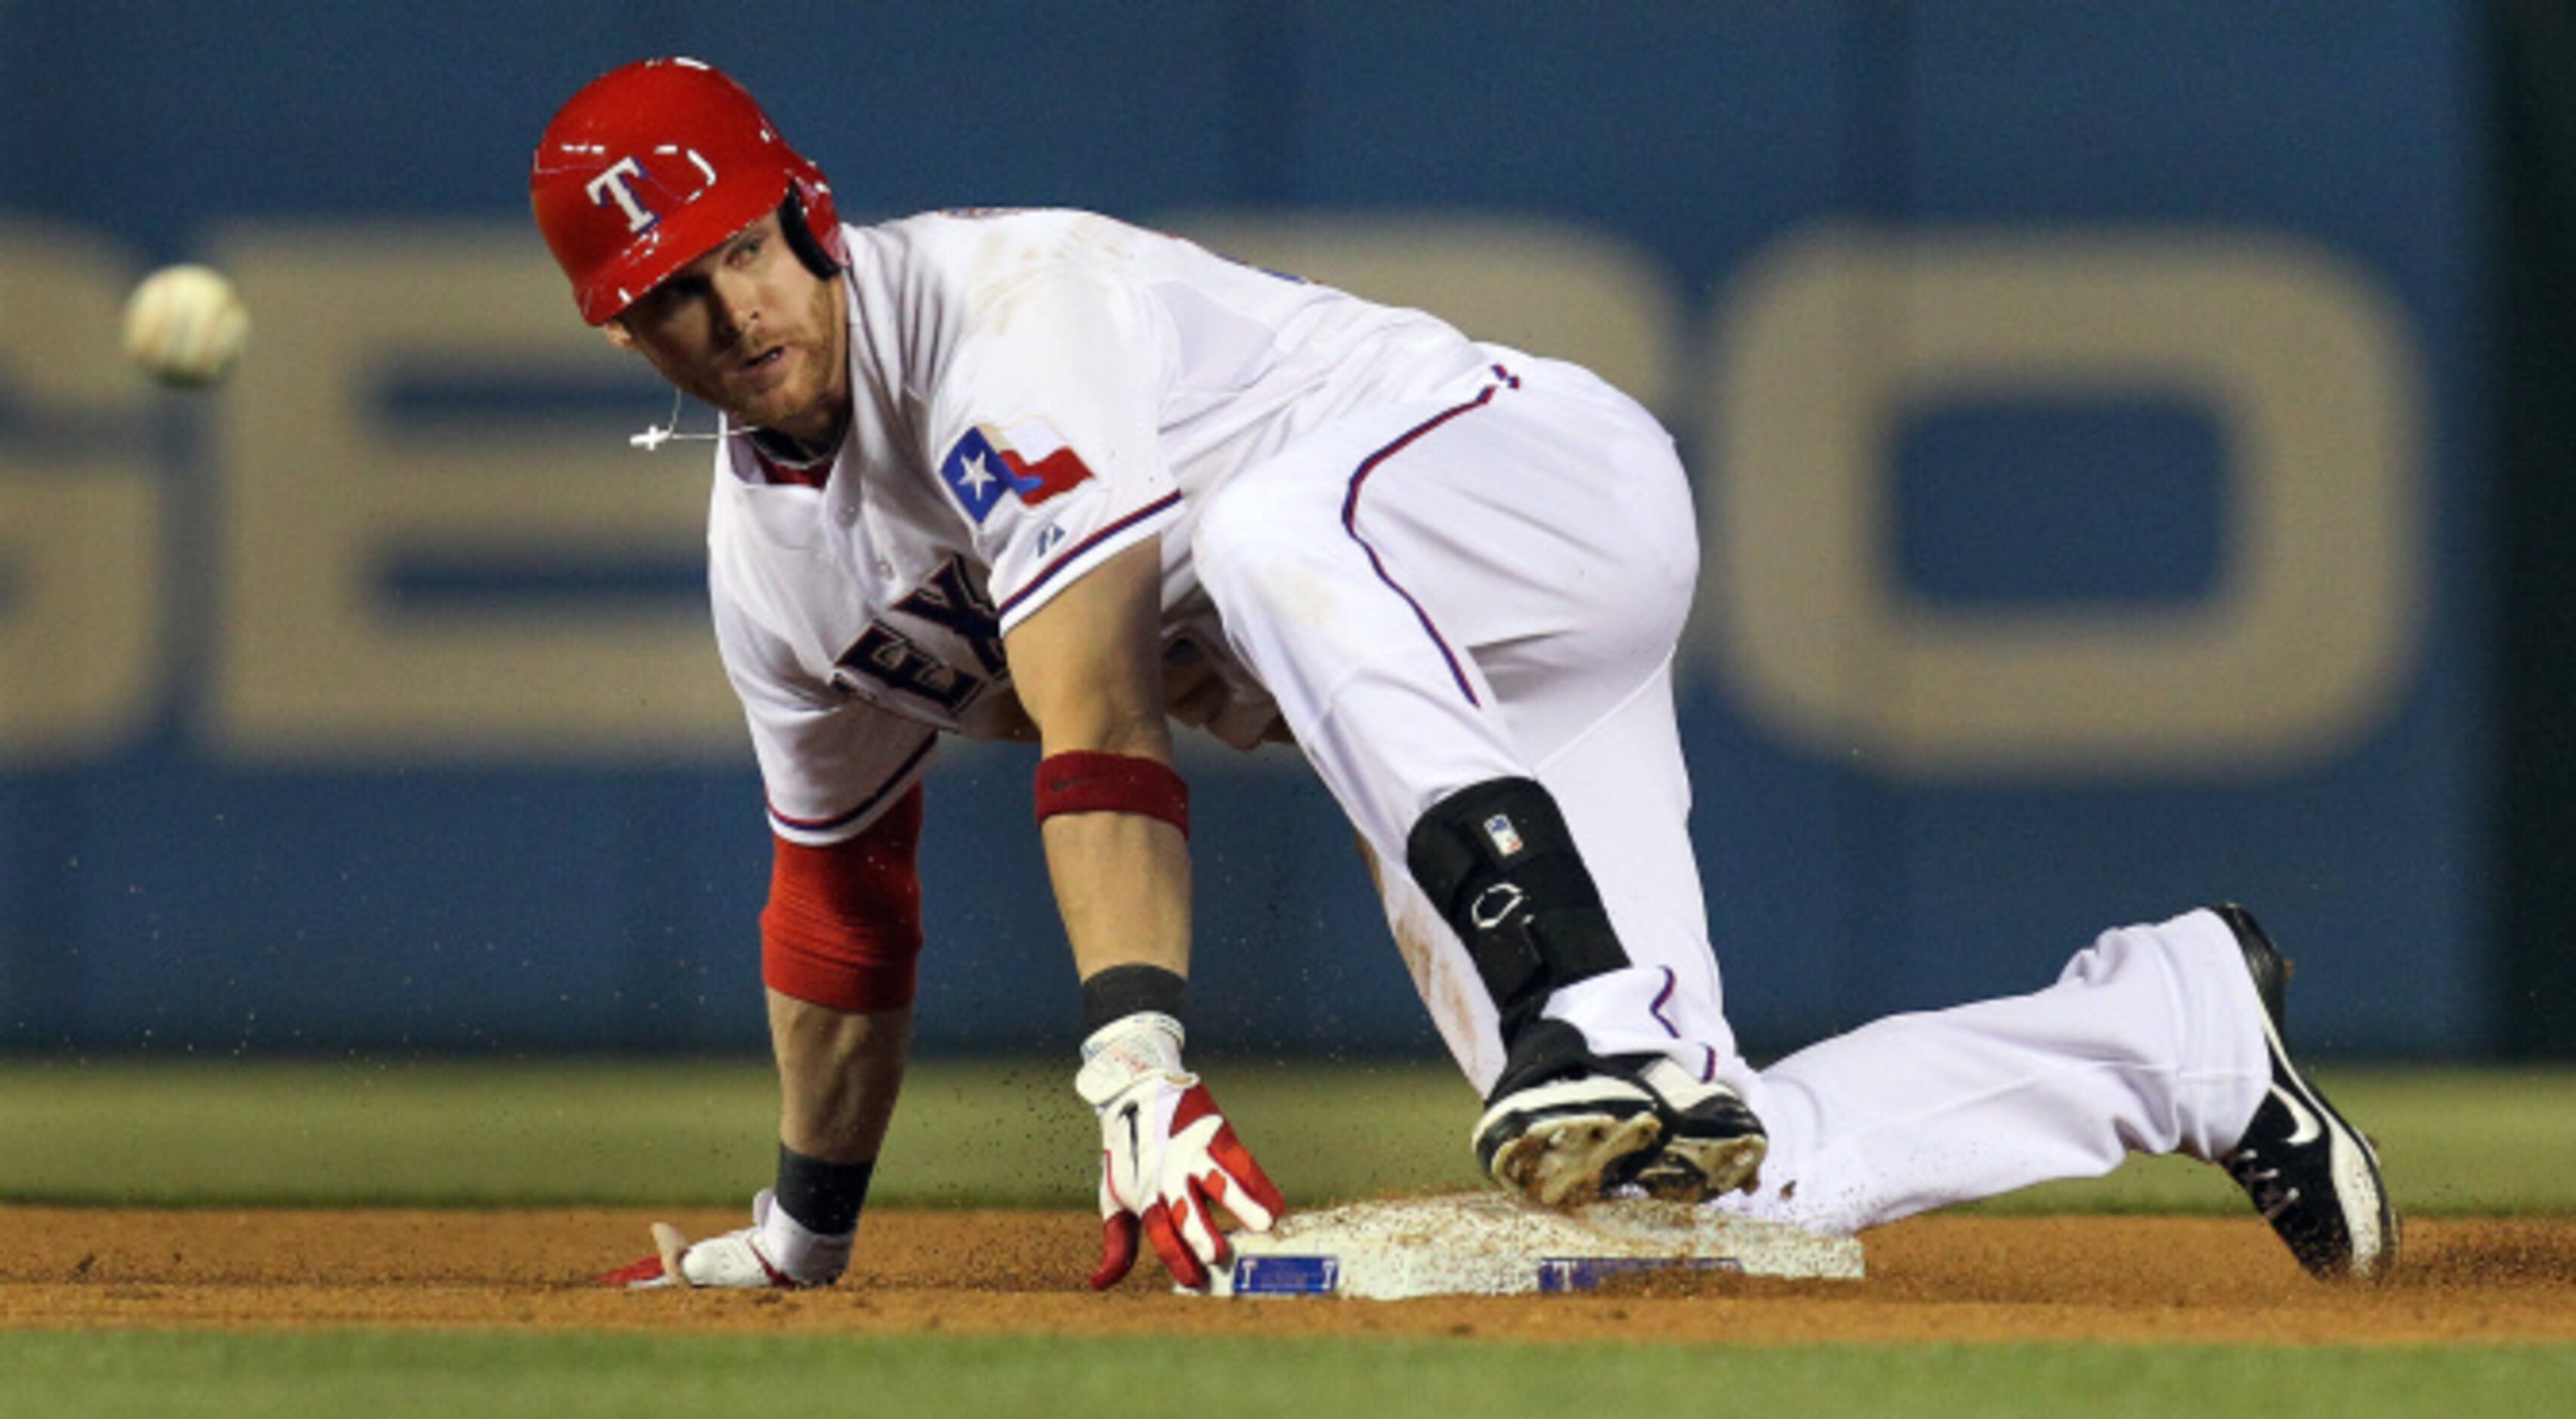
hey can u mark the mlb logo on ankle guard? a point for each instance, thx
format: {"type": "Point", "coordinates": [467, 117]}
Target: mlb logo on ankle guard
{"type": "Point", "coordinates": [1506, 838]}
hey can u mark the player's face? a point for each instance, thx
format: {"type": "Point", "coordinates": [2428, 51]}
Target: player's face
{"type": "Point", "coordinates": [749, 329]}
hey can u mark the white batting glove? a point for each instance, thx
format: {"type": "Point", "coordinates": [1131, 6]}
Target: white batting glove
{"type": "Point", "coordinates": [1168, 1159]}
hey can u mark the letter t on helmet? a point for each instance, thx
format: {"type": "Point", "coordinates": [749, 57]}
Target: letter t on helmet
{"type": "Point", "coordinates": [654, 164]}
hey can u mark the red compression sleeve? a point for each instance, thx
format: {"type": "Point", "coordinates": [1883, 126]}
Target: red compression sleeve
{"type": "Point", "coordinates": [1086, 781]}
{"type": "Point", "coordinates": [843, 924]}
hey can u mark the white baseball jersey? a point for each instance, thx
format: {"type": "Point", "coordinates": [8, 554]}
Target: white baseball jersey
{"type": "Point", "coordinates": [1034, 392]}
{"type": "Point", "coordinates": [1439, 563]}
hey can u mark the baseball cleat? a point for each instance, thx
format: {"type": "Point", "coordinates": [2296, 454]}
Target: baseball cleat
{"type": "Point", "coordinates": [1565, 1143]}
{"type": "Point", "coordinates": [1712, 1145]}
{"type": "Point", "coordinates": [1562, 1127]}
{"type": "Point", "coordinates": [2312, 1175]}
{"type": "Point", "coordinates": [733, 1261]}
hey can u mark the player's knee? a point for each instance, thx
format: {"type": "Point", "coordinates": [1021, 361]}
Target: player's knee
{"type": "Point", "coordinates": [1659, 555]}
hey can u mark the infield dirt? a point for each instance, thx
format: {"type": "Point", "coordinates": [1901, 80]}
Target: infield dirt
{"type": "Point", "coordinates": [1955, 1279]}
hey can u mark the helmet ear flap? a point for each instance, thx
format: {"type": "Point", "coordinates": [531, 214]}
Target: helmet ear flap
{"type": "Point", "coordinates": [801, 239]}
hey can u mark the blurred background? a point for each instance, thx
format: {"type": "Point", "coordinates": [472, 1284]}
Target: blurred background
{"type": "Point", "coordinates": [2131, 447]}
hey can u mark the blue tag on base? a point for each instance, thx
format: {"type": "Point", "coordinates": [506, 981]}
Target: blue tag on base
{"type": "Point", "coordinates": [1267, 1275]}
{"type": "Point", "coordinates": [1582, 1273]}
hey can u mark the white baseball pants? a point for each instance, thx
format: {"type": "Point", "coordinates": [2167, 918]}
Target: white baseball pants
{"type": "Point", "coordinates": [1482, 586]}
{"type": "Point", "coordinates": [1491, 584]}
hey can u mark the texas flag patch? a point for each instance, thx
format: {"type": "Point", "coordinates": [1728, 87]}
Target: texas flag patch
{"type": "Point", "coordinates": [1028, 460]}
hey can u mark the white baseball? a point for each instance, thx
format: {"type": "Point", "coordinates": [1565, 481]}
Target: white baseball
{"type": "Point", "coordinates": [185, 326]}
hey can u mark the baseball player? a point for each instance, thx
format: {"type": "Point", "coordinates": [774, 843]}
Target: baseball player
{"type": "Point", "coordinates": [1044, 475]}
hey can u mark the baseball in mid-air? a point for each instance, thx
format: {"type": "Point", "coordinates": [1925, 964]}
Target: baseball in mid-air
{"type": "Point", "coordinates": [185, 326]}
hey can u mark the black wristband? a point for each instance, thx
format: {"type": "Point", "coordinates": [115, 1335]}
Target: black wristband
{"type": "Point", "coordinates": [823, 1197]}
{"type": "Point", "coordinates": [1120, 991]}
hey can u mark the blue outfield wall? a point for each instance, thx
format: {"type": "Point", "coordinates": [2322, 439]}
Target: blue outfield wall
{"type": "Point", "coordinates": [2086, 405]}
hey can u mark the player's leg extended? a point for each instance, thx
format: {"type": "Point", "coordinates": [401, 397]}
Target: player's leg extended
{"type": "Point", "coordinates": [2150, 1041]}
{"type": "Point", "coordinates": [2165, 1038]}
{"type": "Point", "coordinates": [1440, 598]}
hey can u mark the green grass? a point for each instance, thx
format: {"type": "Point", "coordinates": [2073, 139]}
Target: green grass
{"type": "Point", "coordinates": [982, 1134]}
{"type": "Point", "coordinates": [549, 1133]}
{"type": "Point", "coordinates": [388, 1375]}
{"type": "Point", "coordinates": [1011, 1134]}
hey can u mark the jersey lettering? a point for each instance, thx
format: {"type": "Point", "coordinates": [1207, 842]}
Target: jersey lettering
{"type": "Point", "coordinates": [951, 602]}
{"type": "Point", "coordinates": [896, 661]}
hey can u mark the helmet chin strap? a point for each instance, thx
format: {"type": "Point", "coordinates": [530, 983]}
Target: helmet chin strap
{"type": "Point", "coordinates": [656, 435]}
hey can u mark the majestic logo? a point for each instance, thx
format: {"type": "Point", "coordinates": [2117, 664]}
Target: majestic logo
{"type": "Point", "coordinates": [2305, 1127]}
{"type": "Point", "coordinates": [1029, 460]}
{"type": "Point", "coordinates": [618, 185]}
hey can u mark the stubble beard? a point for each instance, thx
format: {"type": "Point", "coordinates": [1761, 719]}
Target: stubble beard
{"type": "Point", "coordinates": [808, 387]}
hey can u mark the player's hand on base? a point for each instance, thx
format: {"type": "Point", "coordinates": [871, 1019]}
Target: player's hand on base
{"type": "Point", "coordinates": [1168, 1159]}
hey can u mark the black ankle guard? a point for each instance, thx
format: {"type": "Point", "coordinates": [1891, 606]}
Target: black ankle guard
{"type": "Point", "coordinates": [1498, 861]}
{"type": "Point", "coordinates": [1541, 1050]}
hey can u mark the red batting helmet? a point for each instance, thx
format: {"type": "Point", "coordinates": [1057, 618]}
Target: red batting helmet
{"type": "Point", "coordinates": [652, 165]}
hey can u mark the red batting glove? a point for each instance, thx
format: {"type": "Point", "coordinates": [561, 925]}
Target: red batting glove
{"type": "Point", "coordinates": [1168, 1158]}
